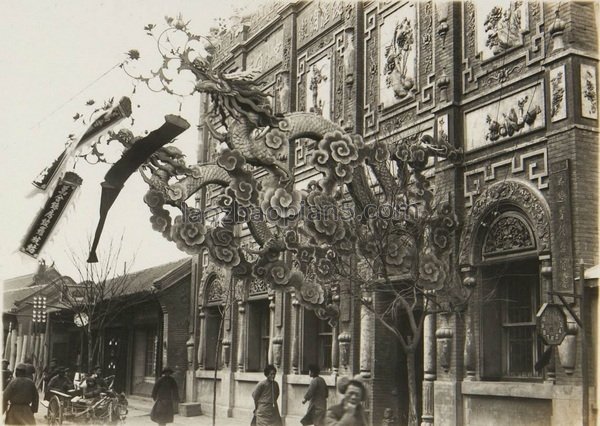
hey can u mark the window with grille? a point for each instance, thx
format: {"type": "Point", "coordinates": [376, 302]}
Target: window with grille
{"type": "Point", "coordinates": [317, 341]}
{"type": "Point", "coordinates": [213, 318]}
{"type": "Point", "coordinates": [509, 343]}
{"type": "Point", "coordinates": [151, 349]}
{"type": "Point", "coordinates": [259, 331]}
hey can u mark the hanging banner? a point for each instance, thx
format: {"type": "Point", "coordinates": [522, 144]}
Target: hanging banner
{"type": "Point", "coordinates": [49, 216]}
{"type": "Point", "coordinates": [99, 125]}
{"type": "Point", "coordinates": [133, 158]}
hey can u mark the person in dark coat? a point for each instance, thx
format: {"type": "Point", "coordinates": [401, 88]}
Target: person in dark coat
{"type": "Point", "coordinates": [7, 374]}
{"type": "Point", "coordinates": [59, 382]}
{"type": "Point", "coordinates": [49, 372]}
{"type": "Point", "coordinates": [316, 395]}
{"type": "Point", "coordinates": [350, 411]}
{"type": "Point", "coordinates": [165, 393]}
{"type": "Point", "coordinates": [23, 398]}
{"type": "Point", "coordinates": [29, 368]}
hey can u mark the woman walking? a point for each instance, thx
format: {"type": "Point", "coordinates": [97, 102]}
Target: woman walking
{"type": "Point", "coordinates": [265, 395]}
{"type": "Point", "coordinates": [316, 395]}
{"type": "Point", "coordinates": [165, 394]}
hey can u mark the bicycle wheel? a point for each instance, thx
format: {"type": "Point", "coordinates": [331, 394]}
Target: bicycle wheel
{"type": "Point", "coordinates": [55, 411]}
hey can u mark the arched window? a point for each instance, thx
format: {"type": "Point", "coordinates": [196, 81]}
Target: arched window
{"type": "Point", "coordinates": [510, 296]}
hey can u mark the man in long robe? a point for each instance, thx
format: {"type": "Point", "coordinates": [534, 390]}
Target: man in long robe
{"type": "Point", "coordinates": [21, 398]}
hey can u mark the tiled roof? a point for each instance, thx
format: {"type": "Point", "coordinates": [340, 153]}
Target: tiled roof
{"type": "Point", "coordinates": [142, 280]}
{"type": "Point", "coordinates": [9, 297]}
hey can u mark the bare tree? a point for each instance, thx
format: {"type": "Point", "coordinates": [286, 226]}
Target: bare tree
{"type": "Point", "coordinates": [102, 293]}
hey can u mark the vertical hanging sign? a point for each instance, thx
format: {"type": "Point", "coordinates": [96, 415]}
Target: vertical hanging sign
{"type": "Point", "coordinates": [562, 233]}
{"type": "Point", "coordinates": [49, 216]}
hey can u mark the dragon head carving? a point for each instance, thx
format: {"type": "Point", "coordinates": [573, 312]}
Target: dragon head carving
{"type": "Point", "coordinates": [237, 95]}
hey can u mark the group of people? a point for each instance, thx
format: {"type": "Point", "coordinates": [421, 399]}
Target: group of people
{"type": "Point", "coordinates": [20, 395]}
{"type": "Point", "coordinates": [349, 412]}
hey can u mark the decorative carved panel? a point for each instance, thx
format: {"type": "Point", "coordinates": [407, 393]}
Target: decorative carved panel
{"type": "Point", "coordinates": [515, 115]}
{"type": "Point", "coordinates": [371, 72]}
{"type": "Point", "coordinates": [511, 193]}
{"type": "Point", "coordinates": [266, 54]}
{"type": "Point", "coordinates": [318, 87]}
{"type": "Point", "coordinates": [562, 230]}
{"type": "Point", "coordinates": [258, 287]}
{"type": "Point", "coordinates": [589, 92]}
{"type": "Point", "coordinates": [531, 165]}
{"type": "Point", "coordinates": [214, 291]}
{"type": "Point", "coordinates": [426, 56]}
{"type": "Point", "coordinates": [558, 95]}
{"type": "Point", "coordinates": [508, 234]}
{"type": "Point", "coordinates": [317, 17]}
{"type": "Point", "coordinates": [398, 37]}
{"type": "Point", "coordinates": [501, 39]}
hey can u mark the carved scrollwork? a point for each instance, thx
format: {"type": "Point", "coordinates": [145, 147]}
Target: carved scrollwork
{"type": "Point", "coordinates": [500, 195]}
{"type": "Point", "coordinates": [508, 233]}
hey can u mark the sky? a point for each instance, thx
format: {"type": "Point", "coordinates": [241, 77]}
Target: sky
{"type": "Point", "coordinates": [55, 56]}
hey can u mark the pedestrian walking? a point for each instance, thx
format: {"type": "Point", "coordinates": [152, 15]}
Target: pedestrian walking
{"type": "Point", "coordinates": [350, 411]}
{"type": "Point", "coordinates": [265, 395]}
{"type": "Point", "coordinates": [165, 393]}
{"type": "Point", "coordinates": [316, 396]}
{"type": "Point", "coordinates": [21, 398]}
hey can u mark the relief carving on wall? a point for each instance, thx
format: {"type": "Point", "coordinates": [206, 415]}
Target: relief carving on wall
{"type": "Point", "coordinates": [318, 83]}
{"type": "Point", "coordinates": [371, 71]}
{"type": "Point", "coordinates": [511, 192]}
{"type": "Point", "coordinates": [508, 234]}
{"type": "Point", "coordinates": [318, 16]}
{"type": "Point", "coordinates": [398, 56]}
{"type": "Point", "coordinates": [558, 99]}
{"type": "Point", "coordinates": [589, 92]}
{"type": "Point", "coordinates": [267, 54]}
{"type": "Point", "coordinates": [503, 26]}
{"type": "Point", "coordinates": [515, 115]}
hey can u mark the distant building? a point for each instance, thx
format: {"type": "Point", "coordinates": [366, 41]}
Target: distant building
{"type": "Point", "coordinates": [515, 85]}
{"type": "Point", "coordinates": [136, 342]}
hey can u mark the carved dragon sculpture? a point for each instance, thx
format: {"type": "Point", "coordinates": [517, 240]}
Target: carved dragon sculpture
{"type": "Point", "coordinates": [260, 138]}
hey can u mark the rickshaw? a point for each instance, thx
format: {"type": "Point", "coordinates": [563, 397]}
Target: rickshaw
{"type": "Point", "coordinates": [110, 408]}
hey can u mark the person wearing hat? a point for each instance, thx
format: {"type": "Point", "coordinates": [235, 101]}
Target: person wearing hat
{"type": "Point", "coordinates": [6, 373]}
{"type": "Point", "coordinates": [165, 394]}
{"type": "Point", "coordinates": [21, 399]}
{"type": "Point", "coordinates": [59, 382]}
{"type": "Point", "coordinates": [97, 373]}
{"type": "Point", "coordinates": [49, 372]}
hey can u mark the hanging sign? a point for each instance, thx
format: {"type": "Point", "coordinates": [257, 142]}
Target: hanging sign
{"type": "Point", "coordinates": [551, 323]}
{"type": "Point", "coordinates": [99, 125]}
{"type": "Point", "coordinates": [49, 216]}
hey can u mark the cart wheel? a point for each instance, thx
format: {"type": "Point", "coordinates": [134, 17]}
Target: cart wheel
{"type": "Point", "coordinates": [55, 411]}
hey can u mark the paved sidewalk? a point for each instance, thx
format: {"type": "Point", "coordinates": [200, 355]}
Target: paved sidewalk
{"type": "Point", "coordinates": [139, 414]}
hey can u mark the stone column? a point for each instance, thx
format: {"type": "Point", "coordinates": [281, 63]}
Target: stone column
{"type": "Point", "coordinates": [201, 337]}
{"type": "Point", "coordinates": [271, 326]}
{"type": "Point", "coordinates": [241, 353]}
{"type": "Point", "coordinates": [367, 327]}
{"type": "Point", "coordinates": [295, 335]}
{"type": "Point", "coordinates": [469, 349]}
{"type": "Point", "coordinates": [429, 369]}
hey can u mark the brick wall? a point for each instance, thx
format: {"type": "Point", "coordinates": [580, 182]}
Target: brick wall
{"type": "Point", "coordinates": [175, 301]}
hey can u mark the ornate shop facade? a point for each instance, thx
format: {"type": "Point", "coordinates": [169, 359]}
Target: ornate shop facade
{"type": "Point", "coordinates": [514, 84]}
